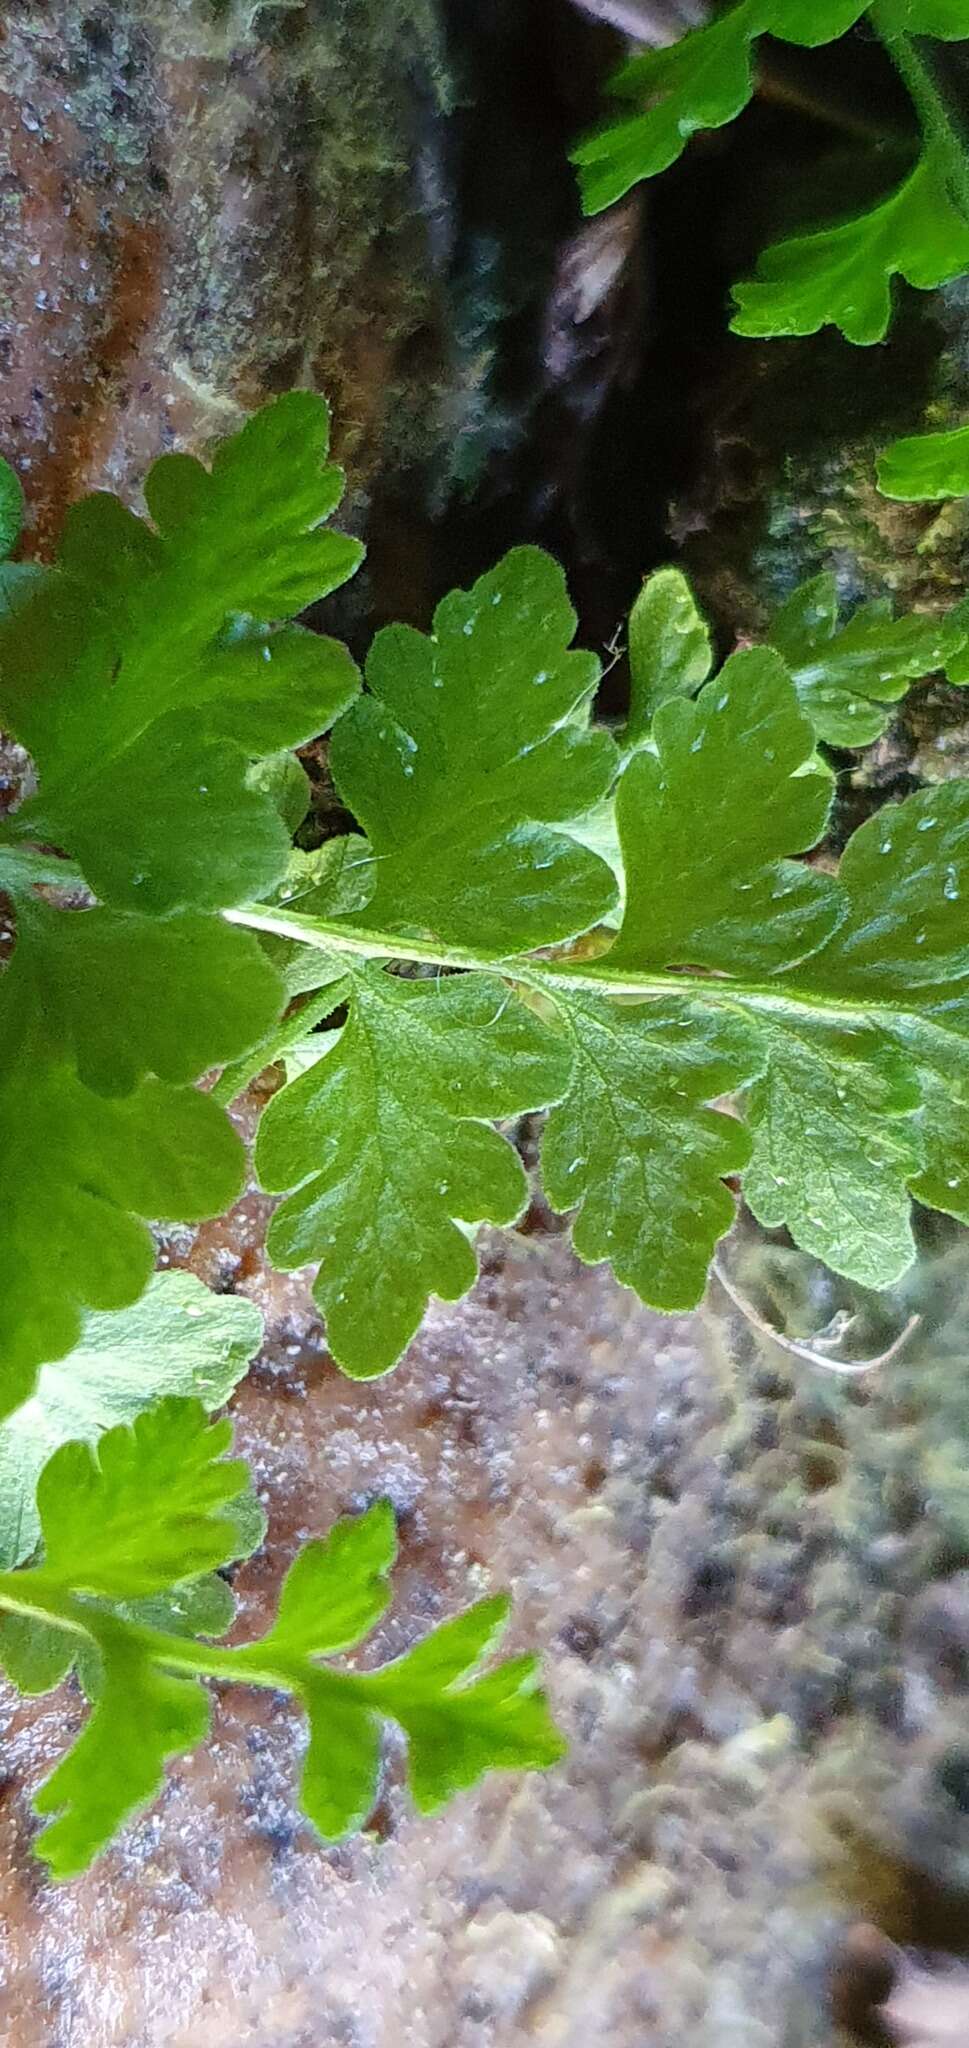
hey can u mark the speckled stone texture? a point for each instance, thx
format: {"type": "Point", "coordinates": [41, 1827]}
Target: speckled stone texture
{"type": "Point", "coordinates": [749, 1580]}
{"type": "Point", "coordinates": [201, 204]}
{"type": "Point", "coordinates": [552, 1435]}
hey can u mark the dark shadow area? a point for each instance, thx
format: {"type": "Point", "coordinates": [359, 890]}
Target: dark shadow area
{"type": "Point", "coordinates": [606, 411]}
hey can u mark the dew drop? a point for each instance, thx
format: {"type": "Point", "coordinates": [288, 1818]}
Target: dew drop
{"type": "Point", "coordinates": [723, 701]}
{"type": "Point", "coordinates": [920, 938]}
{"type": "Point", "coordinates": [497, 597]}
{"type": "Point", "coordinates": [886, 846]}
{"type": "Point", "coordinates": [950, 887]}
{"type": "Point", "coordinates": [926, 824]}
{"type": "Point", "coordinates": [541, 675]}
{"type": "Point", "coordinates": [954, 1182]}
{"type": "Point", "coordinates": [697, 743]}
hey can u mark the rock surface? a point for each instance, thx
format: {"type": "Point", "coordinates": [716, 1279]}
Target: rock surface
{"type": "Point", "coordinates": [204, 203]}
{"type": "Point", "coordinates": [749, 1581]}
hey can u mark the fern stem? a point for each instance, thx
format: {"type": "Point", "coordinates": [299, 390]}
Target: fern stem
{"type": "Point", "coordinates": [589, 977]}
{"type": "Point", "coordinates": [849, 1367]}
{"type": "Point", "coordinates": [296, 1025]}
{"type": "Point", "coordinates": [936, 122]}
{"type": "Point", "coordinates": [27, 1593]}
{"type": "Point", "coordinates": [357, 941]}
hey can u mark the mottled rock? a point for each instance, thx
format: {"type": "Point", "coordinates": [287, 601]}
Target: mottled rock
{"type": "Point", "coordinates": [201, 204]}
